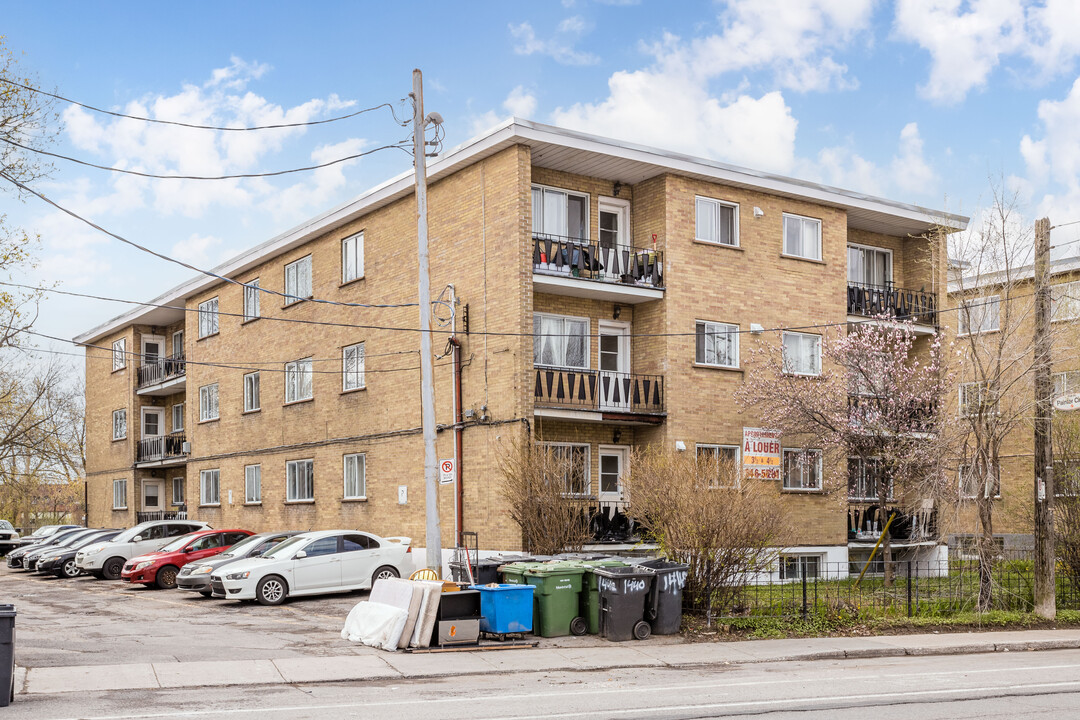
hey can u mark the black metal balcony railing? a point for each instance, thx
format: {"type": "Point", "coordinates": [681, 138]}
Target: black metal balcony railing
{"type": "Point", "coordinates": [596, 390]}
{"type": "Point", "coordinates": [162, 369]}
{"type": "Point", "coordinates": [141, 517]}
{"type": "Point", "coordinates": [882, 413]}
{"type": "Point", "coordinates": [162, 447]}
{"type": "Point", "coordinates": [560, 255]}
{"type": "Point", "coordinates": [874, 300]}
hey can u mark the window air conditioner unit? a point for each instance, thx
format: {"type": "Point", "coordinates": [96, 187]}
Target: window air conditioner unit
{"type": "Point", "coordinates": [185, 448]}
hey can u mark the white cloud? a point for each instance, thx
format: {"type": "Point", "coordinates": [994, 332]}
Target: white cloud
{"type": "Point", "coordinates": [1053, 160]}
{"type": "Point", "coordinates": [910, 171]}
{"type": "Point", "coordinates": [197, 250]}
{"type": "Point", "coordinates": [520, 102]}
{"type": "Point", "coordinates": [560, 46]}
{"type": "Point", "coordinates": [311, 193]}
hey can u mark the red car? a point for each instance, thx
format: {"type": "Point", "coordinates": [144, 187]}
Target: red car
{"type": "Point", "coordinates": [160, 567]}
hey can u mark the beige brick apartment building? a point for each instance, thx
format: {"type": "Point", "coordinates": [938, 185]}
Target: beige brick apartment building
{"type": "Point", "coordinates": [639, 271]}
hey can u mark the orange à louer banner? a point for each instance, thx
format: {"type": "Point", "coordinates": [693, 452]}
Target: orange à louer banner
{"type": "Point", "coordinates": [761, 453]}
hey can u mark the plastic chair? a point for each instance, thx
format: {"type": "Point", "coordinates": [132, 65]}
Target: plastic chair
{"type": "Point", "coordinates": [424, 574]}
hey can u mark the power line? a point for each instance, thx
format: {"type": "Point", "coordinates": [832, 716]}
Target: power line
{"type": "Point", "coordinates": [275, 173]}
{"type": "Point", "coordinates": [204, 127]}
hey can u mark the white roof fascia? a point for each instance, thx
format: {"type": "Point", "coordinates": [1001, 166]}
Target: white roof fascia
{"type": "Point", "coordinates": [998, 277]}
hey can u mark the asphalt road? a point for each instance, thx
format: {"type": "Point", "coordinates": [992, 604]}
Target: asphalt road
{"type": "Point", "coordinates": [1000, 685]}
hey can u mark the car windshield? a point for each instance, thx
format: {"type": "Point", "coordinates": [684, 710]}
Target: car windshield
{"type": "Point", "coordinates": [242, 547]}
{"type": "Point", "coordinates": [131, 532]}
{"type": "Point", "coordinates": [286, 548]}
{"type": "Point", "coordinates": [46, 530]}
{"type": "Point", "coordinates": [83, 542]}
{"type": "Point", "coordinates": [71, 538]}
{"type": "Point", "coordinates": [175, 544]}
{"type": "Point", "coordinates": [5, 525]}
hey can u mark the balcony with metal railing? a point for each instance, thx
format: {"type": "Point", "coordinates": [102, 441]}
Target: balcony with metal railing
{"type": "Point", "coordinates": [162, 450]}
{"type": "Point", "coordinates": [584, 268]}
{"type": "Point", "coordinates": [873, 301]}
{"type": "Point", "coordinates": [889, 415]}
{"type": "Point", "coordinates": [599, 396]}
{"type": "Point", "coordinates": [162, 376]}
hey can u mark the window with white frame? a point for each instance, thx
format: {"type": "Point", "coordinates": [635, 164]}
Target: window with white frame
{"type": "Point", "coordinates": [802, 353]}
{"type": "Point", "coordinates": [979, 315]}
{"type": "Point", "coordinates": [208, 402]}
{"type": "Point", "coordinates": [352, 367]}
{"type": "Point", "coordinates": [119, 424]}
{"type": "Point", "coordinates": [1066, 383]}
{"type": "Point", "coordinates": [300, 480]}
{"type": "Point", "coordinates": [352, 258]}
{"type": "Point", "coordinates": [251, 300]}
{"type": "Point", "coordinates": [298, 280]}
{"type": "Point", "coordinates": [802, 469]}
{"type": "Point", "coordinates": [251, 392]}
{"type": "Point", "coordinates": [252, 484]}
{"type": "Point", "coordinates": [119, 494]}
{"type": "Point", "coordinates": [355, 476]}
{"type": "Point", "coordinates": [975, 484]}
{"type": "Point", "coordinates": [716, 344]}
{"type": "Point", "coordinates": [178, 417]}
{"type": "Point", "coordinates": [209, 487]}
{"type": "Point", "coordinates": [570, 461]}
{"type": "Point", "coordinates": [298, 381]}
{"type": "Point", "coordinates": [797, 567]}
{"type": "Point", "coordinates": [1065, 301]}
{"type": "Point", "coordinates": [119, 354]}
{"type": "Point", "coordinates": [716, 221]}
{"type": "Point", "coordinates": [560, 341]}
{"type": "Point", "coordinates": [802, 237]}
{"type": "Point", "coordinates": [560, 213]}
{"type": "Point", "coordinates": [865, 478]}
{"type": "Point", "coordinates": [722, 463]}
{"type": "Point", "coordinates": [178, 343]}
{"type": "Point", "coordinates": [178, 491]}
{"type": "Point", "coordinates": [208, 318]}
{"type": "Point", "coordinates": [1067, 478]}
{"type": "Point", "coordinates": [973, 398]}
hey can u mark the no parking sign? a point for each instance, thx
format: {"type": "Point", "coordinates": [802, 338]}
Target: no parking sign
{"type": "Point", "coordinates": [446, 471]}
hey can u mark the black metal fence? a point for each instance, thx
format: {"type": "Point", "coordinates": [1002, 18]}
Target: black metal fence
{"type": "Point", "coordinates": [799, 589]}
{"type": "Point", "coordinates": [161, 369]}
{"type": "Point", "coordinates": [871, 300]}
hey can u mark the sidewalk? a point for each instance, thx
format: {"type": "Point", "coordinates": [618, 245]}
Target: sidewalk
{"type": "Point", "coordinates": [369, 664]}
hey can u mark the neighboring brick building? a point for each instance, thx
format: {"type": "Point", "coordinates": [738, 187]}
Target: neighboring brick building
{"type": "Point", "coordinates": [632, 264]}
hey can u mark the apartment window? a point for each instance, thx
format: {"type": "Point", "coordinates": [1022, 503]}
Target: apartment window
{"type": "Point", "coordinates": [208, 318]}
{"type": "Point", "coordinates": [560, 213]}
{"type": "Point", "coordinates": [119, 494]}
{"type": "Point", "coordinates": [1066, 383]}
{"type": "Point", "coordinates": [252, 484]}
{"type": "Point", "coordinates": [869, 266]}
{"type": "Point", "coordinates": [178, 417]}
{"type": "Point", "coordinates": [251, 392]}
{"type": "Point", "coordinates": [178, 491]}
{"type": "Point", "coordinates": [300, 480]}
{"type": "Point", "coordinates": [1066, 478]}
{"type": "Point", "coordinates": [208, 402]}
{"type": "Point", "coordinates": [119, 424]}
{"type": "Point", "coordinates": [178, 343]}
{"type": "Point", "coordinates": [560, 341]}
{"type": "Point", "coordinates": [251, 300]}
{"type": "Point", "coordinates": [974, 484]}
{"type": "Point", "coordinates": [298, 280]}
{"type": "Point", "coordinates": [802, 237]}
{"type": "Point", "coordinates": [979, 315]}
{"type": "Point", "coordinates": [722, 462]}
{"type": "Point", "coordinates": [352, 258]}
{"type": "Point", "coordinates": [802, 469]}
{"type": "Point", "coordinates": [973, 397]}
{"type": "Point", "coordinates": [572, 465]}
{"type": "Point", "coordinates": [717, 344]}
{"type": "Point", "coordinates": [797, 567]}
{"type": "Point", "coordinates": [209, 487]}
{"type": "Point", "coordinates": [716, 221]}
{"type": "Point", "coordinates": [119, 354]}
{"type": "Point", "coordinates": [352, 367]}
{"type": "Point", "coordinates": [865, 478]}
{"type": "Point", "coordinates": [802, 353]}
{"type": "Point", "coordinates": [1065, 301]}
{"type": "Point", "coordinates": [355, 477]}
{"type": "Point", "coordinates": [298, 380]}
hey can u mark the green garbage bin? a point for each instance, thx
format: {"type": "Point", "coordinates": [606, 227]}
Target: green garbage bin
{"type": "Point", "coordinates": [590, 593]}
{"type": "Point", "coordinates": [558, 598]}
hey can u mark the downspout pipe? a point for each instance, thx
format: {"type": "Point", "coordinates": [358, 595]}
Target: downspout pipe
{"type": "Point", "coordinates": [459, 495]}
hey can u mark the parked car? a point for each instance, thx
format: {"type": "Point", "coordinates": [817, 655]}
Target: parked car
{"type": "Point", "coordinates": [314, 563]}
{"type": "Point", "coordinates": [9, 538]}
{"type": "Point", "coordinates": [195, 576]}
{"type": "Point", "coordinates": [15, 557]}
{"type": "Point", "coordinates": [160, 567]}
{"type": "Point", "coordinates": [43, 532]}
{"type": "Point", "coordinates": [106, 560]}
{"type": "Point", "coordinates": [29, 560]}
{"type": "Point", "coordinates": [60, 561]}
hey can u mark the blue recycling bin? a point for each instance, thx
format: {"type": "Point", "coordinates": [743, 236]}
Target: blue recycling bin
{"type": "Point", "coordinates": [505, 608]}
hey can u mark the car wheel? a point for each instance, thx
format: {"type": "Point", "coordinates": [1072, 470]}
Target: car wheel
{"type": "Point", "coordinates": [69, 569]}
{"type": "Point", "coordinates": [206, 593]}
{"type": "Point", "coordinates": [384, 573]}
{"type": "Point", "coordinates": [112, 568]}
{"type": "Point", "coordinates": [271, 590]}
{"type": "Point", "coordinates": [166, 577]}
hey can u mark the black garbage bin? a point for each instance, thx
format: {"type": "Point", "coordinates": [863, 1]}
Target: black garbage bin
{"type": "Point", "coordinates": [664, 606]}
{"type": "Point", "coordinates": [7, 654]}
{"type": "Point", "coordinates": [486, 570]}
{"type": "Point", "coordinates": [623, 594]}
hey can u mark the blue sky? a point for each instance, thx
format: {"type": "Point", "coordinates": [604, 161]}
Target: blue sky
{"type": "Point", "coordinates": [922, 101]}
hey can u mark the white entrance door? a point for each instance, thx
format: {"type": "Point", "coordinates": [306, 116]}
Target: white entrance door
{"type": "Point", "coordinates": [616, 385]}
{"type": "Point", "coordinates": [153, 495]}
{"type": "Point", "coordinates": [613, 460]}
{"type": "Point", "coordinates": [614, 241]}
{"type": "Point", "coordinates": [153, 349]}
{"type": "Point", "coordinates": [153, 422]}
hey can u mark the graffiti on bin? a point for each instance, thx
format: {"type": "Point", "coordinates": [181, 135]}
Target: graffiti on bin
{"type": "Point", "coordinates": [626, 587]}
{"type": "Point", "coordinates": [673, 581]}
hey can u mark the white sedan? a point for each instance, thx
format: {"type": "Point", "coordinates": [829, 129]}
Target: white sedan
{"type": "Point", "coordinates": [314, 563]}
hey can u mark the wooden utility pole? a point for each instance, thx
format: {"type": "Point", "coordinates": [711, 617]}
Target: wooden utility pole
{"type": "Point", "coordinates": [1045, 603]}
